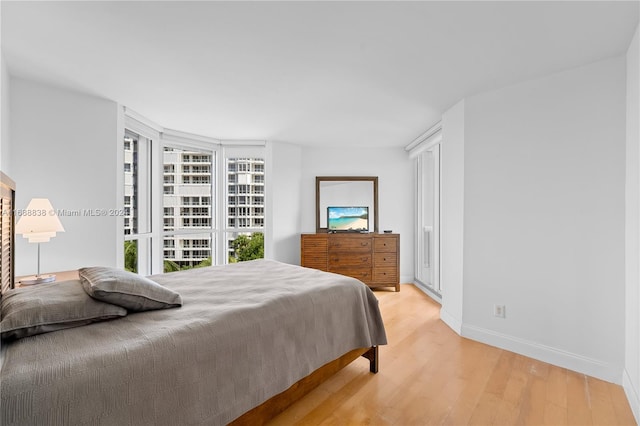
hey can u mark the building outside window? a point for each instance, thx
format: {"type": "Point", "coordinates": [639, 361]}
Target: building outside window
{"type": "Point", "coordinates": [245, 215]}
{"type": "Point", "coordinates": [192, 187]}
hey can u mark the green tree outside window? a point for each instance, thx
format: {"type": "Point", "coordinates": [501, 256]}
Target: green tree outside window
{"type": "Point", "coordinates": [247, 247]}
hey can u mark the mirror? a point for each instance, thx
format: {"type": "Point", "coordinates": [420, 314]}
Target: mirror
{"type": "Point", "coordinates": [347, 191]}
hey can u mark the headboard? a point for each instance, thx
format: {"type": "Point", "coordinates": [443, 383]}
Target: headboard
{"type": "Point", "coordinates": [7, 223]}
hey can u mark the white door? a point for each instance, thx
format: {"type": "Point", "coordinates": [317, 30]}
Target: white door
{"type": "Point", "coordinates": [428, 219]}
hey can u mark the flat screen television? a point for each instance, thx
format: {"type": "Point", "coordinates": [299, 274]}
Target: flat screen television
{"type": "Point", "coordinates": [353, 219]}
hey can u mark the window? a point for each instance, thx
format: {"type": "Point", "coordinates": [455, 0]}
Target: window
{"type": "Point", "coordinates": [196, 222]}
{"type": "Point", "coordinates": [244, 246]}
{"type": "Point", "coordinates": [200, 169]}
{"type": "Point", "coordinates": [137, 199]}
{"type": "Point", "coordinates": [189, 202]}
{"type": "Point", "coordinates": [197, 190]}
{"type": "Point", "coordinates": [195, 179]}
{"type": "Point", "coordinates": [245, 214]}
{"type": "Point", "coordinates": [130, 178]}
{"type": "Point", "coordinates": [188, 251]}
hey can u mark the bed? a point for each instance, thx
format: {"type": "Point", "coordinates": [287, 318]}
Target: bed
{"type": "Point", "coordinates": [248, 340]}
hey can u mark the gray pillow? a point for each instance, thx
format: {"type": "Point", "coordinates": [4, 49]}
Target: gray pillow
{"type": "Point", "coordinates": [131, 291]}
{"type": "Point", "coordinates": [28, 311]}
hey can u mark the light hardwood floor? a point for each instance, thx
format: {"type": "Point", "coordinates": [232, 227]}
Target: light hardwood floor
{"type": "Point", "coordinates": [431, 376]}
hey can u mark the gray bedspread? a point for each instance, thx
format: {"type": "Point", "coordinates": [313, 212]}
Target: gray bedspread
{"type": "Point", "coordinates": [246, 332]}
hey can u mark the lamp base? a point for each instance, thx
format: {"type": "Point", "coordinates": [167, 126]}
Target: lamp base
{"type": "Point", "coordinates": [38, 279]}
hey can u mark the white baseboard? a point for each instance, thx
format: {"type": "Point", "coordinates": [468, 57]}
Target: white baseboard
{"type": "Point", "coordinates": [633, 395]}
{"type": "Point", "coordinates": [555, 356]}
{"type": "Point", "coordinates": [406, 279]}
{"type": "Point", "coordinates": [451, 321]}
{"type": "Point", "coordinates": [429, 292]}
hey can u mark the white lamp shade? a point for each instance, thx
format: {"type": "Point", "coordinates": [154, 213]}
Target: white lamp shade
{"type": "Point", "coordinates": [39, 222]}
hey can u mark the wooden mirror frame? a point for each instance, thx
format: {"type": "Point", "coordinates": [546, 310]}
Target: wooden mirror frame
{"type": "Point", "coordinates": [372, 179]}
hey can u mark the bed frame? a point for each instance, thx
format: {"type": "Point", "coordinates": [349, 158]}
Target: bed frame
{"type": "Point", "coordinates": [7, 205]}
{"type": "Point", "coordinates": [277, 404]}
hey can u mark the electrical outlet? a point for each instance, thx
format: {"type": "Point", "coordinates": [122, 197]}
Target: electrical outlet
{"type": "Point", "coordinates": [499, 311]}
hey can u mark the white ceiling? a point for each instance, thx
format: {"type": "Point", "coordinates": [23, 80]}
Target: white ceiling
{"type": "Point", "coordinates": [313, 73]}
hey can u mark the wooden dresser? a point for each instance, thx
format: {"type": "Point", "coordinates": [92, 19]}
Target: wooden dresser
{"type": "Point", "coordinates": [372, 258]}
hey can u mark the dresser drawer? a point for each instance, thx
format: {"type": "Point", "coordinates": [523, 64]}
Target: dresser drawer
{"type": "Point", "coordinates": [315, 244]}
{"type": "Point", "coordinates": [314, 251]}
{"type": "Point", "coordinates": [385, 244]}
{"type": "Point", "coordinates": [349, 260]}
{"type": "Point", "coordinates": [315, 262]}
{"type": "Point", "coordinates": [385, 275]}
{"type": "Point", "coordinates": [351, 245]}
{"type": "Point", "coordinates": [385, 260]}
{"type": "Point", "coordinates": [363, 274]}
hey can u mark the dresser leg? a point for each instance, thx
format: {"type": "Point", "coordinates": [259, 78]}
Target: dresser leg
{"type": "Point", "coordinates": [398, 287]}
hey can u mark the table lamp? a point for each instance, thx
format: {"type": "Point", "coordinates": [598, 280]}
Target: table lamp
{"type": "Point", "coordinates": [38, 224]}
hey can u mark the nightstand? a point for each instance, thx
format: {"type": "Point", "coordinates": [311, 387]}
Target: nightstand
{"type": "Point", "coordinates": [60, 276]}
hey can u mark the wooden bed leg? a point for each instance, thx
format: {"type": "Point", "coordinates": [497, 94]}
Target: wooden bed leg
{"type": "Point", "coordinates": [372, 356]}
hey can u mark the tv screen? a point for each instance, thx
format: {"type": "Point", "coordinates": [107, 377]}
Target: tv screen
{"type": "Point", "coordinates": [348, 218]}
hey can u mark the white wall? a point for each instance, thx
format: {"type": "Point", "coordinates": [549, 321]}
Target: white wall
{"type": "Point", "coordinates": [63, 147]}
{"type": "Point", "coordinates": [452, 222]}
{"type": "Point", "coordinates": [544, 218]}
{"type": "Point", "coordinates": [284, 213]}
{"type": "Point", "coordinates": [4, 111]}
{"type": "Point", "coordinates": [631, 379]}
{"type": "Point", "coordinates": [5, 122]}
{"type": "Point", "coordinates": [396, 178]}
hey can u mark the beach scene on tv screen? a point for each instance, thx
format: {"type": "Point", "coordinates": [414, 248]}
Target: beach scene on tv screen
{"type": "Point", "coordinates": [348, 218]}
